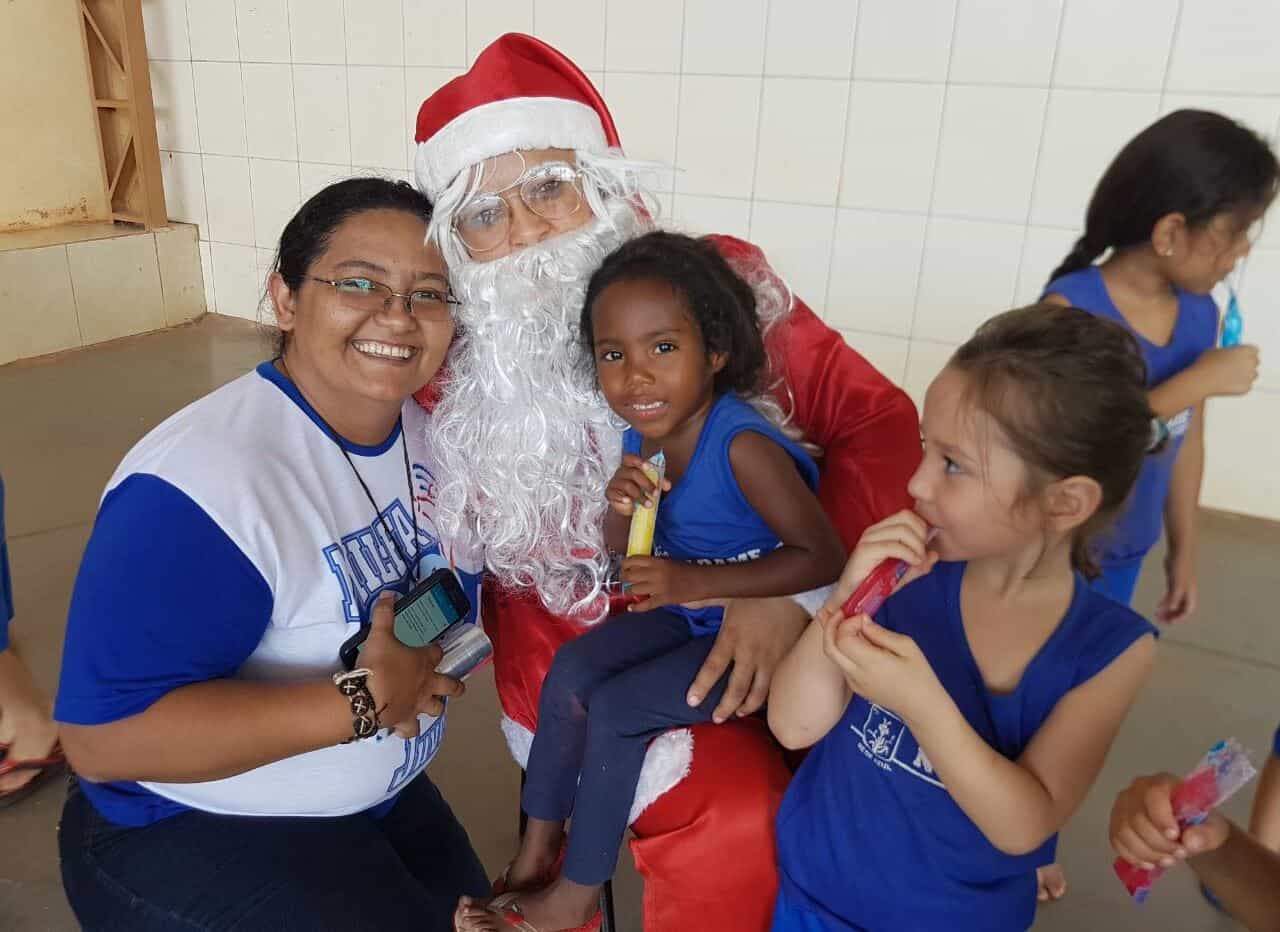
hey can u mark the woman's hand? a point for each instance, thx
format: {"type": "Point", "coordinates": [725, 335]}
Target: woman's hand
{"type": "Point", "coordinates": [882, 666]}
{"type": "Point", "coordinates": [630, 484]}
{"type": "Point", "coordinates": [902, 536]}
{"type": "Point", "coordinates": [404, 682]}
{"type": "Point", "coordinates": [661, 581]}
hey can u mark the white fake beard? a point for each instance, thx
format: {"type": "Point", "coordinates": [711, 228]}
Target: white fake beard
{"type": "Point", "coordinates": [525, 441]}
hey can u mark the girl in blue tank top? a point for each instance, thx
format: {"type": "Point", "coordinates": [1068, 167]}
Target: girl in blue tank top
{"type": "Point", "coordinates": [680, 357]}
{"type": "Point", "coordinates": [954, 735]}
{"type": "Point", "coordinates": [1174, 210]}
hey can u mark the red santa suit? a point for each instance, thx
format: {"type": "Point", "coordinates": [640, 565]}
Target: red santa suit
{"type": "Point", "coordinates": [705, 806]}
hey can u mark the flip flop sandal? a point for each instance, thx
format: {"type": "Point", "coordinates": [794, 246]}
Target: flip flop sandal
{"type": "Point", "coordinates": [507, 908]}
{"type": "Point", "coordinates": [47, 768]}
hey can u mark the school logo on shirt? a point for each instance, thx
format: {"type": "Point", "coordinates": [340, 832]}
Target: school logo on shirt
{"type": "Point", "coordinates": [417, 754]}
{"type": "Point", "coordinates": [747, 556]}
{"type": "Point", "coordinates": [885, 740]}
{"type": "Point", "coordinates": [368, 560]}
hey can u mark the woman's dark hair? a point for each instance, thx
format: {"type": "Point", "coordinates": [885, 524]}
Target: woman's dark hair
{"type": "Point", "coordinates": [1069, 391]}
{"type": "Point", "coordinates": [307, 235]}
{"type": "Point", "coordinates": [719, 302]}
{"type": "Point", "coordinates": [1192, 162]}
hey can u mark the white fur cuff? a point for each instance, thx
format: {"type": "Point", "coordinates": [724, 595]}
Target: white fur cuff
{"type": "Point", "coordinates": [666, 763]}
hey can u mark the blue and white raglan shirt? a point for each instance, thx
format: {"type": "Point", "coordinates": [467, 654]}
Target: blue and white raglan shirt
{"type": "Point", "coordinates": [235, 541]}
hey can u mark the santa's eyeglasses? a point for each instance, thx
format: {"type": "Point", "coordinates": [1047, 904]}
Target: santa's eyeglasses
{"type": "Point", "coordinates": [551, 190]}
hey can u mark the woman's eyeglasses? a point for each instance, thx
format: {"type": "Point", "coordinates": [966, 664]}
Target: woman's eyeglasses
{"type": "Point", "coordinates": [364, 294]}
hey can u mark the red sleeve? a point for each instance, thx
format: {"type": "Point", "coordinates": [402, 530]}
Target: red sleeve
{"type": "Point", "coordinates": [867, 427]}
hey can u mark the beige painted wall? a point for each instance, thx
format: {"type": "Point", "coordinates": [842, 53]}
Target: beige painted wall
{"type": "Point", "coordinates": [52, 170]}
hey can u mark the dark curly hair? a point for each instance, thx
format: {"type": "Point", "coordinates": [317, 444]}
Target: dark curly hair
{"type": "Point", "coordinates": [1069, 391]}
{"type": "Point", "coordinates": [716, 299]}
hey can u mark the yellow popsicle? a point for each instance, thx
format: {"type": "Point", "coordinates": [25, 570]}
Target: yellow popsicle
{"type": "Point", "coordinates": [640, 538]}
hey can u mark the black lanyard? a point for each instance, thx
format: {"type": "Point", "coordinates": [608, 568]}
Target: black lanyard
{"type": "Point", "coordinates": [382, 519]}
{"type": "Point", "coordinates": [412, 565]}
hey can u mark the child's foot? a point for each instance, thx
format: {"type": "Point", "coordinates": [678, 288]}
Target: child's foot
{"type": "Point", "coordinates": [531, 869]}
{"type": "Point", "coordinates": [1052, 883]}
{"type": "Point", "coordinates": [562, 905]}
{"type": "Point", "coordinates": [535, 864]}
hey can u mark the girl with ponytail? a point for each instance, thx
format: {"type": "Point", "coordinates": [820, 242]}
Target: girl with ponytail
{"type": "Point", "coordinates": [1171, 218]}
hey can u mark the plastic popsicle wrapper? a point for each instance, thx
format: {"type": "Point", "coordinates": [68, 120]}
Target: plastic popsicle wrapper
{"type": "Point", "coordinates": [1224, 770]}
{"type": "Point", "coordinates": [1232, 321]}
{"type": "Point", "coordinates": [643, 520]}
{"type": "Point", "coordinates": [873, 591]}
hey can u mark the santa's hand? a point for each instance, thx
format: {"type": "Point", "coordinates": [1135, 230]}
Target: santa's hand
{"type": "Point", "coordinates": [631, 484]}
{"type": "Point", "coordinates": [754, 637]}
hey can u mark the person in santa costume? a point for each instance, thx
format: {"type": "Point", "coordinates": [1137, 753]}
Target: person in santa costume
{"type": "Point", "coordinates": [532, 191]}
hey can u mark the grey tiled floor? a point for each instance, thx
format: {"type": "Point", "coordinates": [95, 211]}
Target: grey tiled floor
{"type": "Point", "coordinates": [65, 423]}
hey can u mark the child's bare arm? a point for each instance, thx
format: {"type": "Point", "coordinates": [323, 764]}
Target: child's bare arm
{"type": "Point", "coordinates": [1019, 805]}
{"type": "Point", "coordinates": [1180, 511]}
{"type": "Point", "coordinates": [1224, 371]}
{"type": "Point", "coordinates": [809, 693]}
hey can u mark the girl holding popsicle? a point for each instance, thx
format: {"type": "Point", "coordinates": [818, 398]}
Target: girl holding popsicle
{"type": "Point", "coordinates": [953, 737]}
{"type": "Point", "coordinates": [1173, 213]}
{"type": "Point", "coordinates": [680, 357]}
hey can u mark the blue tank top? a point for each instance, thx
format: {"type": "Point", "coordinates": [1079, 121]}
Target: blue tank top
{"type": "Point", "coordinates": [868, 836]}
{"type": "Point", "coordinates": [1138, 526]}
{"type": "Point", "coordinates": [705, 518]}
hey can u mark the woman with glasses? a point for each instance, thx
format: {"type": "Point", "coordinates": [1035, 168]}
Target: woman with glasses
{"type": "Point", "coordinates": [231, 772]}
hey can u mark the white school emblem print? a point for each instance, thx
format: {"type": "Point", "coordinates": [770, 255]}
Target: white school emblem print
{"type": "Point", "coordinates": [885, 740]}
{"type": "Point", "coordinates": [1179, 423]}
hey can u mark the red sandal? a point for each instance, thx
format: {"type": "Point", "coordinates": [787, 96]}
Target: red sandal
{"type": "Point", "coordinates": [507, 908]}
{"type": "Point", "coordinates": [48, 768]}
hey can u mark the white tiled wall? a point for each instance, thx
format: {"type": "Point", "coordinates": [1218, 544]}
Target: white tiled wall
{"type": "Point", "coordinates": [911, 166]}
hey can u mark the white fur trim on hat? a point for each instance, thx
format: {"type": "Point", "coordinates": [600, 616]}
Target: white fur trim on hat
{"type": "Point", "coordinates": [505, 126]}
{"type": "Point", "coordinates": [666, 763]}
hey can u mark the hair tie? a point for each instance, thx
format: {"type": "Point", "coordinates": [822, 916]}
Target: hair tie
{"type": "Point", "coordinates": [1159, 435]}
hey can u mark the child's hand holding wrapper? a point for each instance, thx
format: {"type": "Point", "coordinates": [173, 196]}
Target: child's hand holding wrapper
{"type": "Point", "coordinates": [1188, 803]}
{"type": "Point", "coordinates": [636, 490]}
{"type": "Point", "coordinates": [888, 556]}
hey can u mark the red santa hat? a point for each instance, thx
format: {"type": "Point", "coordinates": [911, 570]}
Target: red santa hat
{"type": "Point", "coordinates": [520, 94]}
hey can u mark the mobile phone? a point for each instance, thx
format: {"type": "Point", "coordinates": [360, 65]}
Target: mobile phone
{"type": "Point", "coordinates": [422, 615]}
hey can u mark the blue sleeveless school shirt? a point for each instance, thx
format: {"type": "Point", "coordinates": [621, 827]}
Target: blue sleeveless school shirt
{"type": "Point", "coordinates": [705, 518]}
{"type": "Point", "coordinates": [868, 836]}
{"type": "Point", "coordinates": [1138, 526]}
